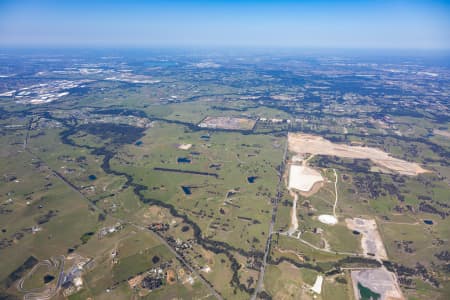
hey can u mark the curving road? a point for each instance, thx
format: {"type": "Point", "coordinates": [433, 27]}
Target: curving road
{"type": "Point", "coordinates": [44, 293]}
{"type": "Point", "coordinates": [96, 208]}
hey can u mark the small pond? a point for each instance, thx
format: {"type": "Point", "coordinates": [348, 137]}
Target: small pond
{"type": "Point", "coordinates": [48, 278]}
{"type": "Point", "coordinates": [251, 179]}
{"type": "Point", "coordinates": [367, 294]}
{"type": "Point", "coordinates": [183, 160]}
{"type": "Point", "coordinates": [186, 190]}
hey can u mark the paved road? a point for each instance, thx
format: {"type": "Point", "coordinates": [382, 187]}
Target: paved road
{"type": "Point", "coordinates": [163, 241]}
{"type": "Point", "coordinates": [260, 283]}
{"type": "Point", "coordinates": [182, 260]}
{"type": "Point", "coordinates": [43, 293]}
{"type": "Point", "coordinates": [67, 182]}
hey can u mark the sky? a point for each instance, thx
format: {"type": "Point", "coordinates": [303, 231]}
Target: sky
{"type": "Point", "coordinates": [291, 24]}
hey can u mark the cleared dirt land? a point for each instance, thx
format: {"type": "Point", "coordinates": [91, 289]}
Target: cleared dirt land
{"type": "Point", "coordinates": [303, 178]}
{"type": "Point", "coordinates": [444, 133]}
{"type": "Point", "coordinates": [305, 143]}
{"type": "Point", "coordinates": [369, 283]}
{"type": "Point", "coordinates": [371, 241]}
{"type": "Point", "coordinates": [230, 123]}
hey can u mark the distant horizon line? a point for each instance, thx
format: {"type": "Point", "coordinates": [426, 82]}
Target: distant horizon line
{"type": "Point", "coordinates": [215, 47]}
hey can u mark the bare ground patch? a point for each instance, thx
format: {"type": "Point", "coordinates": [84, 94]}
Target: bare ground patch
{"type": "Point", "coordinates": [443, 133]}
{"type": "Point", "coordinates": [306, 143]}
{"type": "Point", "coordinates": [371, 241]}
{"type": "Point", "coordinates": [230, 123]}
{"type": "Point", "coordinates": [379, 281]}
{"type": "Point", "coordinates": [303, 178]}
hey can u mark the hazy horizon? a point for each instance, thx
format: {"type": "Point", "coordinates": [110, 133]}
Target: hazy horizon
{"type": "Point", "coordinates": [233, 24]}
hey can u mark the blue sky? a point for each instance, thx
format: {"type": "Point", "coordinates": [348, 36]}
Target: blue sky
{"type": "Point", "coordinates": [304, 24]}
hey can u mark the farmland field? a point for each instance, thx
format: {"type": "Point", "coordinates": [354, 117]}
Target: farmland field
{"type": "Point", "coordinates": [160, 176]}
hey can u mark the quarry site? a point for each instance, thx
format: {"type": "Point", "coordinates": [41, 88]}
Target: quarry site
{"type": "Point", "coordinates": [230, 123]}
{"type": "Point", "coordinates": [371, 241]}
{"type": "Point", "coordinates": [381, 283]}
{"type": "Point", "coordinates": [305, 143]}
{"type": "Point", "coordinates": [163, 175]}
{"type": "Point", "coordinates": [303, 180]}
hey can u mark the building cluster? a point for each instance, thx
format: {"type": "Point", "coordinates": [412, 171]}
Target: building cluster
{"type": "Point", "coordinates": [72, 281]}
{"type": "Point", "coordinates": [109, 230]}
{"type": "Point", "coordinates": [44, 92]}
{"type": "Point", "coordinates": [159, 227]}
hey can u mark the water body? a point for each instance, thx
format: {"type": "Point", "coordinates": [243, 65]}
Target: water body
{"type": "Point", "coordinates": [428, 222]}
{"type": "Point", "coordinates": [183, 160]}
{"type": "Point", "coordinates": [92, 177]}
{"type": "Point", "coordinates": [230, 194]}
{"type": "Point", "coordinates": [367, 294]}
{"type": "Point", "coordinates": [138, 143]}
{"type": "Point", "coordinates": [251, 179]}
{"type": "Point", "coordinates": [186, 190]}
{"type": "Point", "coordinates": [48, 278]}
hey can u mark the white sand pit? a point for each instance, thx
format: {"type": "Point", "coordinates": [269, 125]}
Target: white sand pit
{"type": "Point", "coordinates": [328, 219]}
{"type": "Point", "coordinates": [185, 146]}
{"type": "Point", "coordinates": [303, 178]}
{"type": "Point", "coordinates": [317, 287]}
